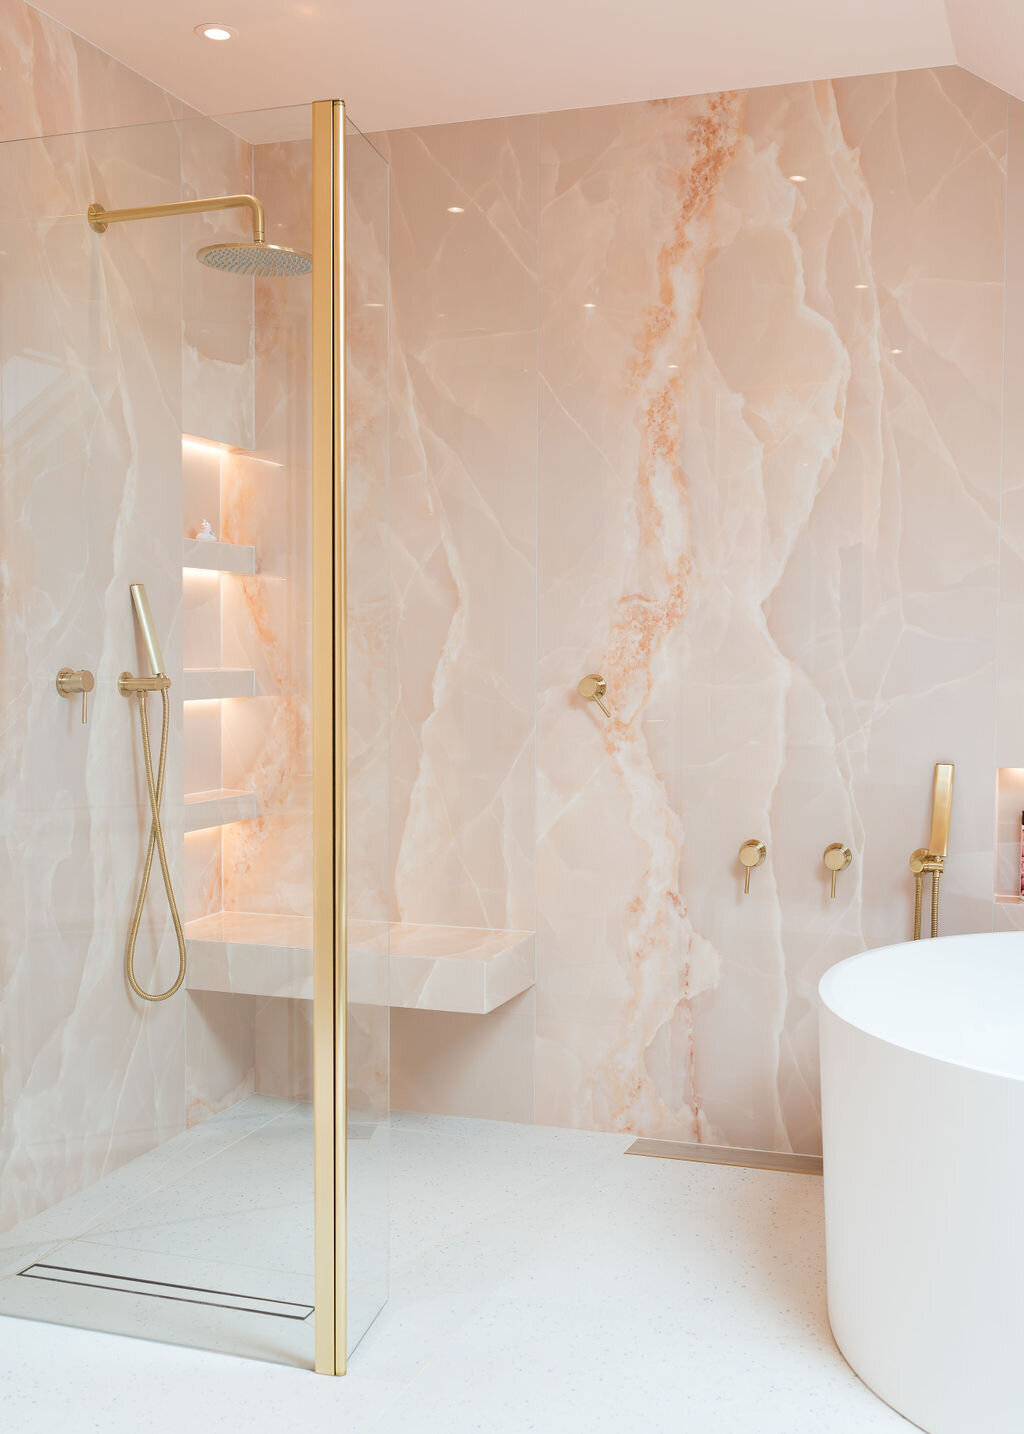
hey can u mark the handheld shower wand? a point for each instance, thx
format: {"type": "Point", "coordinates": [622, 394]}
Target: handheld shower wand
{"type": "Point", "coordinates": [147, 628]}
{"type": "Point", "coordinates": [142, 686]}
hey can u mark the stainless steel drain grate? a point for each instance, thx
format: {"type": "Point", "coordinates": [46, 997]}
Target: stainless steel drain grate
{"type": "Point", "coordinates": [162, 1290]}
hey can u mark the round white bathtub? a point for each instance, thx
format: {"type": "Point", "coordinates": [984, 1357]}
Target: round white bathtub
{"type": "Point", "coordinates": [922, 1074]}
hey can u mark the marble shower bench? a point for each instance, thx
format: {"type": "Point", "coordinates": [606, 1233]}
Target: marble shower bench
{"type": "Point", "coordinates": [428, 968]}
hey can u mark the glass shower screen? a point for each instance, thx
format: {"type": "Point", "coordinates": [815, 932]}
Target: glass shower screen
{"type": "Point", "coordinates": [157, 427]}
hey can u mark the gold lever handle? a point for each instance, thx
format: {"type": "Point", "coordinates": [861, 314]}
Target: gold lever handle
{"type": "Point", "coordinates": [837, 858]}
{"type": "Point", "coordinates": [593, 687]}
{"type": "Point", "coordinates": [71, 682]}
{"type": "Point", "coordinates": [752, 853]}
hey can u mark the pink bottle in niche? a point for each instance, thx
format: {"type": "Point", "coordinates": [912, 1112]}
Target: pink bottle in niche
{"type": "Point", "coordinates": [1022, 855]}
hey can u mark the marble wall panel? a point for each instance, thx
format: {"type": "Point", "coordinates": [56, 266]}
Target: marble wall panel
{"type": "Point", "coordinates": [780, 426]}
{"type": "Point", "coordinates": [93, 399]}
{"type": "Point", "coordinates": [266, 619]}
{"type": "Point", "coordinates": [54, 82]}
{"type": "Point", "coordinates": [218, 352]}
{"type": "Point", "coordinates": [463, 502]}
{"type": "Point", "coordinates": [90, 402]}
{"type": "Point", "coordinates": [769, 373]}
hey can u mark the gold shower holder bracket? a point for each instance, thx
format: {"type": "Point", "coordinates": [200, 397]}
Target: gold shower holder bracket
{"type": "Point", "coordinates": [128, 684]}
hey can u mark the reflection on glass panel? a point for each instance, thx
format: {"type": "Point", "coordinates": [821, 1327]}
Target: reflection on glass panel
{"type": "Point", "coordinates": [156, 1155]}
{"type": "Point", "coordinates": [368, 665]}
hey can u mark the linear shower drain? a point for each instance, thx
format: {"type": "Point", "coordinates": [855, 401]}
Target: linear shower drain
{"type": "Point", "coordinates": [163, 1290]}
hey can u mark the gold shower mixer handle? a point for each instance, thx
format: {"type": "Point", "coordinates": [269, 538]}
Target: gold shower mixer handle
{"type": "Point", "coordinates": [593, 687]}
{"type": "Point", "coordinates": [752, 853]}
{"type": "Point", "coordinates": [72, 682]}
{"type": "Point", "coordinates": [837, 858]}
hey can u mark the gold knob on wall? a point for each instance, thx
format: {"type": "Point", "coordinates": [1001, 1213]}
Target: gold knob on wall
{"type": "Point", "coordinates": [837, 858]}
{"type": "Point", "coordinates": [752, 853]}
{"type": "Point", "coordinates": [593, 687]}
{"type": "Point", "coordinates": [74, 682]}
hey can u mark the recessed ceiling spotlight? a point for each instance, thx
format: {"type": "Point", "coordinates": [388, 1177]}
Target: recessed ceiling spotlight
{"type": "Point", "coordinates": [590, 306]}
{"type": "Point", "coordinates": [456, 209]}
{"type": "Point", "coordinates": [895, 351]}
{"type": "Point", "coordinates": [215, 32]}
{"type": "Point", "coordinates": [798, 178]}
{"type": "Point", "coordinates": [860, 286]}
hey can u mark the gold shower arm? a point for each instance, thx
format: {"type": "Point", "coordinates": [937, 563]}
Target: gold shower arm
{"type": "Point", "coordinates": [99, 217]}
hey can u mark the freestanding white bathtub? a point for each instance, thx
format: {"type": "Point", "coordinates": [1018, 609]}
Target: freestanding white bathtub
{"type": "Point", "coordinates": [922, 1072]}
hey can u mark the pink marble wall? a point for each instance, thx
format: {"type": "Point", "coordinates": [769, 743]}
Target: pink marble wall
{"type": "Point", "coordinates": [464, 571]}
{"type": "Point", "coordinates": [768, 464]}
{"type": "Point", "coordinates": [266, 741]}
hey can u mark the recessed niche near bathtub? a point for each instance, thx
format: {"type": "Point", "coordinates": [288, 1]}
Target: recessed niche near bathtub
{"type": "Point", "coordinates": [1009, 806]}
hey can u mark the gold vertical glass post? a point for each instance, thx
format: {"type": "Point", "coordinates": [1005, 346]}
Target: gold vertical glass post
{"type": "Point", "coordinates": [329, 731]}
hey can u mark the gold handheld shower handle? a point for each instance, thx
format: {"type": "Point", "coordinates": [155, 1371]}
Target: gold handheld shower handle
{"type": "Point", "coordinates": [147, 628]}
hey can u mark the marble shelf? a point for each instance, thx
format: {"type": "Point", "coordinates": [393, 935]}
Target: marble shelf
{"type": "Point", "coordinates": [208, 683]}
{"type": "Point", "coordinates": [428, 968]}
{"type": "Point", "coordinates": [217, 808]}
{"type": "Point", "coordinates": [219, 557]}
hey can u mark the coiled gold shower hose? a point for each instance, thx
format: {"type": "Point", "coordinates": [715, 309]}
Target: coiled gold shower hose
{"type": "Point", "coordinates": [156, 842]}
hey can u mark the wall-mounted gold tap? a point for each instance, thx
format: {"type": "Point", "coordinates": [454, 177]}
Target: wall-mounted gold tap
{"type": "Point", "coordinates": [72, 683]}
{"type": "Point", "coordinates": [837, 858]}
{"type": "Point", "coordinates": [752, 853]}
{"type": "Point", "coordinates": [593, 687]}
{"type": "Point", "coordinates": [932, 858]}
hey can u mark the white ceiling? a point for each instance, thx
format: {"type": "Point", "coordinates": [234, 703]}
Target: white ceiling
{"type": "Point", "coordinates": [409, 62]}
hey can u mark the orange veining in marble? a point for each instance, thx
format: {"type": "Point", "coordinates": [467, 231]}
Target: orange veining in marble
{"type": "Point", "coordinates": [658, 932]}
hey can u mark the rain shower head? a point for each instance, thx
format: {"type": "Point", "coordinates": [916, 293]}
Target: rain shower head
{"type": "Point", "coordinates": [266, 261]}
{"type": "Point", "coordinates": [272, 261]}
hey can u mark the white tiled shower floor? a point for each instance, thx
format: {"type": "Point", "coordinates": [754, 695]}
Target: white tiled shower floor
{"type": "Point", "coordinates": [224, 1207]}
{"type": "Point", "coordinates": [541, 1281]}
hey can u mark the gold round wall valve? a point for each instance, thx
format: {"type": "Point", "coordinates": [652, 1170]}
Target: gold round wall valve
{"type": "Point", "coordinates": [752, 853]}
{"type": "Point", "coordinates": [72, 681]}
{"type": "Point", "coordinates": [837, 858]}
{"type": "Point", "coordinates": [593, 687]}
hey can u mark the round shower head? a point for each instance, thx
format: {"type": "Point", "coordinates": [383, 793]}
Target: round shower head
{"type": "Point", "coordinates": [266, 261]}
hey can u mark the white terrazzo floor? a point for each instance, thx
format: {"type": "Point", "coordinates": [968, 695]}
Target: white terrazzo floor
{"type": "Point", "coordinates": [541, 1281]}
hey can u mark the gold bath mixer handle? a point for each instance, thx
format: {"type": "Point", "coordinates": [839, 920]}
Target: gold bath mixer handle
{"type": "Point", "coordinates": [752, 853]}
{"type": "Point", "coordinates": [837, 858]}
{"type": "Point", "coordinates": [71, 683]}
{"type": "Point", "coordinates": [593, 687]}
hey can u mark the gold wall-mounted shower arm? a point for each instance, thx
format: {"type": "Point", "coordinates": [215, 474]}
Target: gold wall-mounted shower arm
{"type": "Point", "coordinates": [99, 218]}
